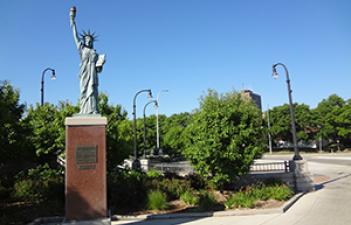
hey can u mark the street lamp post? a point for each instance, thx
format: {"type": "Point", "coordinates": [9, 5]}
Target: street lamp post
{"type": "Point", "coordinates": [53, 77]}
{"type": "Point", "coordinates": [297, 156]}
{"type": "Point", "coordinates": [157, 123]}
{"type": "Point", "coordinates": [320, 139]}
{"type": "Point", "coordinates": [136, 163]}
{"type": "Point", "coordinates": [155, 102]}
{"type": "Point", "coordinates": [269, 133]}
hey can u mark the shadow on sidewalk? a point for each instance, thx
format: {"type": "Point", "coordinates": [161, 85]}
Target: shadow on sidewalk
{"type": "Point", "coordinates": [321, 185]}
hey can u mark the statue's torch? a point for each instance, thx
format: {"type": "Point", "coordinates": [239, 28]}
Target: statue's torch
{"type": "Point", "coordinates": [72, 13]}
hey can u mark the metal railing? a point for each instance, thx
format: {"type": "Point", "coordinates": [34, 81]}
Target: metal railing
{"type": "Point", "coordinates": [271, 167]}
{"type": "Point", "coordinates": [61, 161]}
{"type": "Point", "coordinates": [173, 168]}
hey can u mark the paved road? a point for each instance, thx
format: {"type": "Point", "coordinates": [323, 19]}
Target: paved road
{"type": "Point", "coordinates": [328, 158]}
{"type": "Point", "coordinates": [331, 160]}
{"type": "Point", "coordinates": [330, 205]}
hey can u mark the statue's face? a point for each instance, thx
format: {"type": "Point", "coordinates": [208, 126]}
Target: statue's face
{"type": "Point", "coordinates": [88, 41]}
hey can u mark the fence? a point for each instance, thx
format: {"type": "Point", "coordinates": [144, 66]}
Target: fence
{"type": "Point", "coordinates": [271, 167]}
{"type": "Point", "coordinates": [185, 167]}
{"type": "Point", "coordinates": [180, 168]}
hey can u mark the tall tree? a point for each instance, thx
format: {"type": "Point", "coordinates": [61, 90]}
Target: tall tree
{"type": "Point", "coordinates": [281, 122]}
{"type": "Point", "coordinates": [15, 150]}
{"type": "Point", "coordinates": [174, 138]}
{"type": "Point", "coordinates": [328, 111]}
{"type": "Point", "coordinates": [47, 124]}
{"type": "Point", "coordinates": [224, 137]}
{"type": "Point", "coordinates": [118, 132]}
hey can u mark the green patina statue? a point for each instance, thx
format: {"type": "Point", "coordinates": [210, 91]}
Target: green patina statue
{"type": "Point", "coordinates": [91, 64]}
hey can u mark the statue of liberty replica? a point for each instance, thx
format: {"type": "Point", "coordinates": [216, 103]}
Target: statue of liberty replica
{"type": "Point", "coordinates": [86, 141]}
{"type": "Point", "coordinates": [90, 65]}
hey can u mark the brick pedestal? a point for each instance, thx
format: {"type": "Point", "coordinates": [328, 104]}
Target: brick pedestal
{"type": "Point", "coordinates": [85, 187]}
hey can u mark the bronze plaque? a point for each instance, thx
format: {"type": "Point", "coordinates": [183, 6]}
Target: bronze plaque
{"type": "Point", "coordinates": [86, 154]}
{"type": "Point", "coordinates": [87, 167]}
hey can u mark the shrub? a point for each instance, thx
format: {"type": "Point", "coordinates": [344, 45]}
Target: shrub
{"type": "Point", "coordinates": [4, 192]}
{"type": "Point", "coordinates": [247, 197]}
{"type": "Point", "coordinates": [276, 191]}
{"type": "Point", "coordinates": [174, 187]}
{"type": "Point", "coordinates": [207, 201]}
{"type": "Point", "coordinates": [240, 200]}
{"type": "Point", "coordinates": [25, 189]}
{"type": "Point", "coordinates": [196, 181]}
{"type": "Point", "coordinates": [224, 137]}
{"type": "Point", "coordinates": [154, 174]}
{"type": "Point", "coordinates": [280, 192]}
{"type": "Point", "coordinates": [156, 200]}
{"type": "Point", "coordinates": [127, 190]}
{"type": "Point", "coordinates": [189, 198]}
{"type": "Point", "coordinates": [40, 184]}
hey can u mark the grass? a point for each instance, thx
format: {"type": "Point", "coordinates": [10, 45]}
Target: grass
{"type": "Point", "coordinates": [240, 200]}
{"type": "Point", "coordinates": [154, 174]}
{"type": "Point", "coordinates": [156, 200]}
{"type": "Point", "coordinates": [248, 197]}
{"type": "Point", "coordinates": [190, 198]}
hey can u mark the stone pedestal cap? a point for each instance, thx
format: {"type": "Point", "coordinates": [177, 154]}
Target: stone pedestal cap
{"type": "Point", "coordinates": [85, 121]}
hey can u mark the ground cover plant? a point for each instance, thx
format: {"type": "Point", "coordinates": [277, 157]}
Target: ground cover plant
{"type": "Point", "coordinates": [140, 192]}
{"type": "Point", "coordinates": [190, 197]}
{"type": "Point", "coordinates": [157, 200]}
{"type": "Point", "coordinates": [249, 196]}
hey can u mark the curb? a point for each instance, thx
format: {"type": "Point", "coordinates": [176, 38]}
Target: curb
{"type": "Point", "coordinates": [237, 212]}
{"type": "Point", "coordinates": [61, 221]}
{"type": "Point", "coordinates": [45, 220]}
{"type": "Point", "coordinates": [292, 201]}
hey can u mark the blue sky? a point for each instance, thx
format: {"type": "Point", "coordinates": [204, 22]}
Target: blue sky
{"type": "Point", "coordinates": [186, 46]}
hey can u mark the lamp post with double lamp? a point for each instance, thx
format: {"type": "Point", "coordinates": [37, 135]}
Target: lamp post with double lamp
{"type": "Point", "coordinates": [53, 77]}
{"type": "Point", "coordinates": [157, 123]}
{"type": "Point", "coordinates": [150, 102]}
{"type": "Point", "coordinates": [275, 74]}
{"type": "Point", "coordinates": [136, 163]}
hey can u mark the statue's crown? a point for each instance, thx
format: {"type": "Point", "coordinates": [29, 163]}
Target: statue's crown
{"type": "Point", "coordinates": [89, 34]}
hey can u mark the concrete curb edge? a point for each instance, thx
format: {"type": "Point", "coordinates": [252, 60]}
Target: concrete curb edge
{"type": "Point", "coordinates": [61, 221]}
{"type": "Point", "coordinates": [43, 220]}
{"type": "Point", "coordinates": [292, 201]}
{"type": "Point", "coordinates": [239, 212]}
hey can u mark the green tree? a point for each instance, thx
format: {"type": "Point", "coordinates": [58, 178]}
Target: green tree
{"type": "Point", "coordinates": [280, 123]}
{"type": "Point", "coordinates": [305, 122]}
{"type": "Point", "coordinates": [150, 125]}
{"type": "Point", "coordinates": [15, 150]}
{"type": "Point", "coordinates": [224, 137]}
{"type": "Point", "coordinates": [118, 132]}
{"type": "Point", "coordinates": [64, 109]}
{"type": "Point", "coordinates": [47, 124]}
{"type": "Point", "coordinates": [331, 115]}
{"type": "Point", "coordinates": [174, 136]}
{"type": "Point", "coordinates": [344, 124]}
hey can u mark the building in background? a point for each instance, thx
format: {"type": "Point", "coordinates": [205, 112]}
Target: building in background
{"type": "Point", "coordinates": [250, 95]}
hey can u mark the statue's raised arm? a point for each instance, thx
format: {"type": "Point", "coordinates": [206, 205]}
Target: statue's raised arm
{"type": "Point", "coordinates": [73, 11]}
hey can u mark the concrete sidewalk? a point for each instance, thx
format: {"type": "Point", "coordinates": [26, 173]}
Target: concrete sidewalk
{"type": "Point", "coordinates": [331, 204]}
